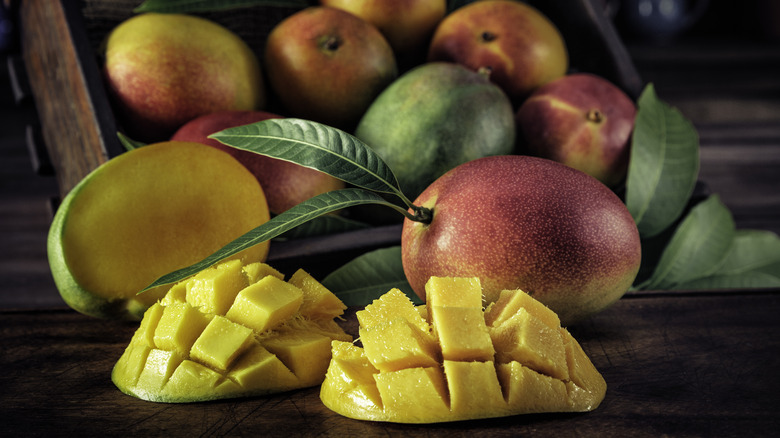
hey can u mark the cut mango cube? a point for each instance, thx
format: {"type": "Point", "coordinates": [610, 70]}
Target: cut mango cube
{"type": "Point", "coordinates": [318, 301]}
{"type": "Point", "coordinates": [511, 358]}
{"type": "Point", "coordinates": [230, 331]}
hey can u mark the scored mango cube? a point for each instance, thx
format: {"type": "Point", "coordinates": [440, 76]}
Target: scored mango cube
{"type": "Point", "coordinates": [221, 342]}
{"type": "Point", "coordinates": [190, 347]}
{"type": "Point", "coordinates": [398, 344]}
{"type": "Point", "coordinates": [511, 358]}
{"type": "Point", "coordinates": [318, 301]}
{"type": "Point", "coordinates": [214, 289]}
{"type": "Point", "coordinates": [265, 304]}
{"type": "Point", "coordinates": [179, 325]}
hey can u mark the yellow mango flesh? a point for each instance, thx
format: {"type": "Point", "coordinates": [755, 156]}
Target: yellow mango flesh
{"type": "Point", "coordinates": [512, 358]}
{"type": "Point", "coordinates": [144, 214]}
{"type": "Point", "coordinates": [195, 344]}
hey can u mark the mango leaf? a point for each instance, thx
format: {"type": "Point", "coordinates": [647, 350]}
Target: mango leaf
{"type": "Point", "coordinates": [664, 165]}
{"type": "Point", "coordinates": [187, 6]}
{"type": "Point", "coordinates": [752, 250]}
{"type": "Point", "coordinates": [324, 225]}
{"type": "Point", "coordinates": [299, 214]}
{"type": "Point", "coordinates": [128, 143]}
{"type": "Point", "coordinates": [697, 248]}
{"type": "Point", "coordinates": [368, 276]}
{"type": "Point", "coordinates": [745, 280]}
{"type": "Point", "coordinates": [317, 146]}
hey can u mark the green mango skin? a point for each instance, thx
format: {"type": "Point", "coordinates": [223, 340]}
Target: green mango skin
{"type": "Point", "coordinates": [434, 118]}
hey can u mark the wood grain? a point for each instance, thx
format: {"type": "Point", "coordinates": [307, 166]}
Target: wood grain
{"type": "Point", "coordinates": [698, 364]}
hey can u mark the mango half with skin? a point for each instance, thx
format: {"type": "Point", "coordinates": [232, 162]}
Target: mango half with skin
{"type": "Point", "coordinates": [450, 360]}
{"type": "Point", "coordinates": [233, 330]}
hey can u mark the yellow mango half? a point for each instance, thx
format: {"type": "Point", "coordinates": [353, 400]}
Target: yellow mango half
{"type": "Point", "coordinates": [451, 360]}
{"type": "Point", "coordinates": [230, 331]}
{"type": "Point", "coordinates": [143, 214]}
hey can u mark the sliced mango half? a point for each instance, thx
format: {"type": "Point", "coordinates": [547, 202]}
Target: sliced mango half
{"type": "Point", "coordinates": [452, 360]}
{"type": "Point", "coordinates": [233, 330]}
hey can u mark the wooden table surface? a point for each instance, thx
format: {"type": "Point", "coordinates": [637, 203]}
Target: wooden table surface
{"type": "Point", "coordinates": [699, 364]}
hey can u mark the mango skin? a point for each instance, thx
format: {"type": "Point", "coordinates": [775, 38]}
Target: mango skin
{"type": "Point", "coordinates": [435, 117]}
{"type": "Point", "coordinates": [522, 47]}
{"type": "Point", "coordinates": [285, 183]}
{"type": "Point", "coordinates": [162, 70]}
{"type": "Point", "coordinates": [581, 120]}
{"type": "Point", "coordinates": [142, 215]}
{"type": "Point", "coordinates": [520, 222]}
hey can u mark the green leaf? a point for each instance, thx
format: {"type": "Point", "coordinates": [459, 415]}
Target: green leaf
{"type": "Point", "coordinates": [128, 142]}
{"type": "Point", "coordinates": [369, 276]}
{"type": "Point", "coordinates": [299, 214]}
{"type": "Point", "coordinates": [664, 165]}
{"type": "Point", "coordinates": [324, 225]}
{"type": "Point", "coordinates": [186, 6]}
{"type": "Point", "coordinates": [744, 280]}
{"type": "Point", "coordinates": [699, 245]}
{"type": "Point", "coordinates": [752, 250]}
{"type": "Point", "coordinates": [317, 146]}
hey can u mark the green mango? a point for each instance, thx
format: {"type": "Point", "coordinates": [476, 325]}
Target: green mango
{"type": "Point", "coordinates": [435, 117]}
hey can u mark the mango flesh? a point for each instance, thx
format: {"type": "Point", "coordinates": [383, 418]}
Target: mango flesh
{"type": "Point", "coordinates": [435, 117]}
{"type": "Point", "coordinates": [146, 213]}
{"type": "Point", "coordinates": [266, 339]}
{"type": "Point", "coordinates": [520, 222]}
{"type": "Point", "coordinates": [470, 368]}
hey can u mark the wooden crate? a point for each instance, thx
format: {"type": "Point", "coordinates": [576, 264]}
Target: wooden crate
{"type": "Point", "coordinates": [60, 48]}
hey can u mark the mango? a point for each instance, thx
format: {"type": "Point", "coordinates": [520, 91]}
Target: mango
{"type": "Point", "coordinates": [511, 358]}
{"type": "Point", "coordinates": [232, 330]}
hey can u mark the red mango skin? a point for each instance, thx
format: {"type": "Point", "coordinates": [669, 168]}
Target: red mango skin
{"type": "Point", "coordinates": [528, 223]}
{"type": "Point", "coordinates": [583, 121]}
{"type": "Point", "coordinates": [285, 184]}
{"type": "Point", "coordinates": [520, 46]}
{"type": "Point", "coordinates": [327, 65]}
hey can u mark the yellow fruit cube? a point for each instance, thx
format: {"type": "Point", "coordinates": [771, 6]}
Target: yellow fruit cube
{"type": "Point", "coordinates": [526, 390]}
{"type": "Point", "coordinates": [193, 379]}
{"type": "Point", "coordinates": [306, 354]}
{"type": "Point", "coordinates": [398, 344]}
{"type": "Point", "coordinates": [453, 292]}
{"type": "Point", "coordinates": [393, 304]}
{"type": "Point", "coordinates": [149, 323]}
{"type": "Point", "coordinates": [255, 272]}
{"type": "Point", "coordinates": [526, 339]}
{"type": "Point", "coordinates": [318, 301]}
{"type": "Point", "coordinates": [159, 367]}
{"type": "Point", "coordinates": [352, 377]}
{"type": "Point", "coordinates": [417, 394]}
{"type": "Point", "coordinates": [510, 301]}
{"type": "Point", "coordinates": [265, 304]}
{"type": "Point", "coordinates": [214, 289]}
{"type": "Point", "coordinates": [587, 387]}
{"type": "Point", "coordinates": [221, 342]}
{"type": "Point", "coordinates": [261, 370]}
{"type": "Point", "coordinates": [132, 361]}
{"type": "Point", "coordinates": [474, 389]}
{"type": "Point", "coordinates": [462, 333]}
{"type": "Point", "coordinates": [176, 294]}
{"type": "Point", "coordinates": [180, 324]}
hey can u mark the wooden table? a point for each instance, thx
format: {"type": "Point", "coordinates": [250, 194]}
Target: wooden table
{"type": "Point", "coordinates": [676, 364]}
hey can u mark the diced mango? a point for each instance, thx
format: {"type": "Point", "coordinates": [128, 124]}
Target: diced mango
{"type": "Point", "coordinates": [398, 344]}
{"type": "Point", "coordinates": [462, 333]}
{"type": "Point", "coordinates": [510, 301]}
{"type": "Point", "coordinates": [259, 368]}
{"type": "Point", "coordinates": [318, 301]}
{"type": "Point", "coordinates": [180, 324]}
{"type": "Point", "coordinates": [474, 389]}
{"type": "Point", "coordinates": [255, 272]}
{"type": "Point", "coordinates": [214, 289]}
{"type": "Point", "coordinates": [453, 292]}
{"type": "Point", "coordinates": [265, 304]}
{"type": "Point", "coordinates": [391, 305]}
{"type": "Point", "coordinates": [221, 342]}
{"type": "Point", "coordinates": [417, 394]}
{"type": "Point", "coordinates": [522, 361]}
{"type": "Point", "coordinates": [526, 390]}
{"type": "Point", "coordinates": [182, 353]}
{"type": "Point", "coordinates": [306, 354]}
{"type": "Point", "coordinates": [526, 339]}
